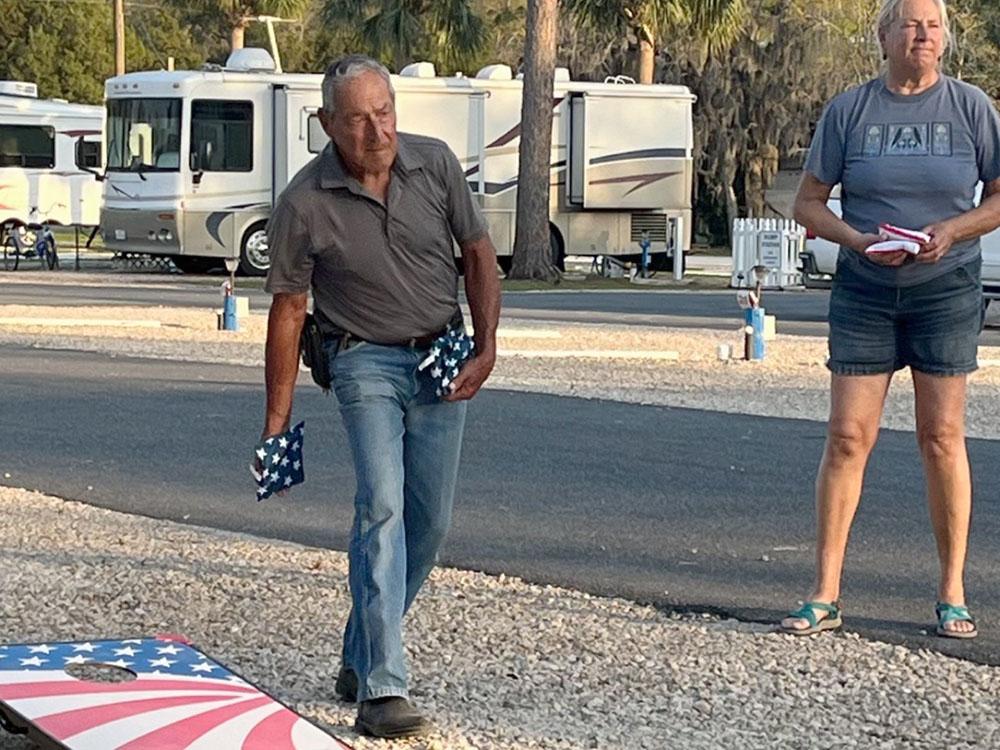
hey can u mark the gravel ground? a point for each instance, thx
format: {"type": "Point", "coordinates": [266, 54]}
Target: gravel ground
{"type": "Point", "coordinates": [497, 662]}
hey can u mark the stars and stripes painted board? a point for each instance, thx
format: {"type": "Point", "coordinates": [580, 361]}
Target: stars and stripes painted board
{"type": "Point", "coordinates": [175, 698]}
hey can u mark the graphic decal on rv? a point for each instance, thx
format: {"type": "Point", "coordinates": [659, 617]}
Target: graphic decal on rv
{"type": "Point", "coordinates": [214, 221]}
{"type": "Point", "coordinates": [643, 180]}
{"type": "Point", "coordinates": [646, 153]}
{"type": "Point", "coordinates": [515, 131]}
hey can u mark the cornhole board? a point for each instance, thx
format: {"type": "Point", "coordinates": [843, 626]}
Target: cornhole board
{"type": "Point", "coordinates": [142, 694]}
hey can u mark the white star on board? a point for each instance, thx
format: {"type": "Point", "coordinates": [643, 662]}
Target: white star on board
{"type": "Point", "coordinates": [88, 647]}
{"type": "Point", "coordinates": [34, 661]}
{"type": "Point", "coordinates": [127, 651]}
{"type": "Point", "coordinates": [171, 649]}
{"type": "Point", "coordinates": [203, 667]}
{"type": "Point", "coordinates": [164, 662]}
{"type": "Point", "coordinates": [78, 659]}
{"type": "Point", "coordinates": [43, 649]}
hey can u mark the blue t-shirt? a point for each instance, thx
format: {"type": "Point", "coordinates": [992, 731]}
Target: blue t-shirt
{"type": "Point", "coordinates": [909, 161]}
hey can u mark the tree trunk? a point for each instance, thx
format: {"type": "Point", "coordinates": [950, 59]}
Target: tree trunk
{"type": "Point", "coordinates": [728, 178]}
{"type": "Point", "coordinates": [647, 54]}
{"type": "Point", "coordinates": [532, 246]}
{"type": "Point", "coordinates": [236, 38]}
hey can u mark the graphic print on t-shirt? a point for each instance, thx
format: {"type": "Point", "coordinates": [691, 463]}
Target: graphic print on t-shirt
{"type": "Point", "coordinates": [873, 139]}
{"type": "Point", "coordinates": [908, 139]}
{"type": "Point", "coordinates": [941, 139]}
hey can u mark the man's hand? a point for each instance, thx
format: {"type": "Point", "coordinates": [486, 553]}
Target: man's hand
{"type": "Point", "coordinates": [471, 377]}
{"type": "Point", "coordinates": [942, 238]}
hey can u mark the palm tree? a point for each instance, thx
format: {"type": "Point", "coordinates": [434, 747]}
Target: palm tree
{"type": "Point", "coordinates": [399, 31]}
{"type": "Point", "coordinates": [239, 13]}
{"type": "Point", "coordinates": [716, 21]}
{"type": "Point", "coordinates": [532, 238]}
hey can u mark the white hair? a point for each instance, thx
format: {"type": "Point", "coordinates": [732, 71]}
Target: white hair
{"type": "Point", "coordinates": [347, 68]}
{"type": "Point", "coordinates": [891, 11]}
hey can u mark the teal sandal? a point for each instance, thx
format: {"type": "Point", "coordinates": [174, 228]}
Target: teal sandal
{"type": "Point", "coordinates": [947, 613]}
{"type": "Point", "coordinates": [808, 612]}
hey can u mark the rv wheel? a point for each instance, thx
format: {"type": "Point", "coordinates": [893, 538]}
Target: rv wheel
{"type": "Point", "coordinates": [254, 256]}
{"type": "Point", "coordinates": [558, 251]}
{"type": "Point", "coordinates": [195, 264]}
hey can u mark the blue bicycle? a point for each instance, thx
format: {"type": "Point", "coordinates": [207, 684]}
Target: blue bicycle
{"type": "Point", "coordinates": [29, 241]}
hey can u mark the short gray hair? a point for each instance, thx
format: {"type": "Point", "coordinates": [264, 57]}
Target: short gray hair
{"type": "Point", "coordinates": [890, 12]}
{"type": "Point", "coordinates": [347, 68]}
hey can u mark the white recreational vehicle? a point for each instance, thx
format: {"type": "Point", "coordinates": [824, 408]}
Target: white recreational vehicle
{"type": "Point", "coordinates": [44, 146]}
{"type": "Point", "coordinates": [195, 159]}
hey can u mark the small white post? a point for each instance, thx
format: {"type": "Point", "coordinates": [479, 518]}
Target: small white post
{"type": "Point", "coordinates": [679, 248]}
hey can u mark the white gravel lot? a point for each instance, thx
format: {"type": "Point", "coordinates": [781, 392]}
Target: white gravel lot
{"type": "Point", "coordinates": [498, 663]}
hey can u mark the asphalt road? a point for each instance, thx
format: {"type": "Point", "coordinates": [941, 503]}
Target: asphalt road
{"type": "Point", "coordinates": [680, 508]}
{"type": "Point", "coordinates": [798, 312]}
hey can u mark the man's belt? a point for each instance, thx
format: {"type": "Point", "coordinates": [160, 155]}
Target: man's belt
{"type": "Point", "coordinates": [348, 339]}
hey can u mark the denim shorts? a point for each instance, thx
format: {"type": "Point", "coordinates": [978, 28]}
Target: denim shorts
{"type": "Point", "coordinates": [932, 327]}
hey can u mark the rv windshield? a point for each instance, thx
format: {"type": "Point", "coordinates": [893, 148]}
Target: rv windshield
{"type": "Point", "coordinates": [144, 135]}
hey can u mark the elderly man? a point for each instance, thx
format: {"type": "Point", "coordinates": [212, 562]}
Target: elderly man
{"type": "Point", "coordinates": [369, 226]}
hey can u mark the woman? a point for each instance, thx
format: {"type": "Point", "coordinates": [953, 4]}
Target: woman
{"type": "Point", "coordinates": [908, 149]}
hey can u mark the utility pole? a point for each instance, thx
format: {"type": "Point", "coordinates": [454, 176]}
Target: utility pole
{"type": "Point", "coordinates": [119, 37]}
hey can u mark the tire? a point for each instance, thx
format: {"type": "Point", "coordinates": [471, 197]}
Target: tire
{"type": "Point", "coordinates": [255, 260]}
{"type": "Point", "coordinates": [11, 256]}
{"type": "Point", "coordinates": [194, 263]}
{"type": "Point", "coordinates": [557, 249]}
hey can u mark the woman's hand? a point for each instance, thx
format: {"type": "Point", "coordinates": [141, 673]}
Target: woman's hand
{"type": "Point", "coordinates": [864, 241]}
{"type": "Point", "coordinates": [942, 238]}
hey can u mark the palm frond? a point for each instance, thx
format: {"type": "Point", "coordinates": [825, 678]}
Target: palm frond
{"type": "Point", "coordinates": [338, 11]}
{"type": "Point", "coordinates": [393, 31]}
{"type": "Point", "coordinates": [457, 31]}
{"type": "Point", "coordinates": [604, 14]}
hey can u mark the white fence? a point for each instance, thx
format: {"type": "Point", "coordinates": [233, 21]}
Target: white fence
{"type": "Point", "coordinates": [772, 243]}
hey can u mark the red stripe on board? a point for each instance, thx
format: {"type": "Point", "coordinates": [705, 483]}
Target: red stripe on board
{"type": "Point", "coordinates": [272, 733]}
{"type": "Point", "coordinates": [182, 733]}
{"type": "Point", "coordinates": [67, 723]}
{"type": "Point", "coordinates": [65, 687]}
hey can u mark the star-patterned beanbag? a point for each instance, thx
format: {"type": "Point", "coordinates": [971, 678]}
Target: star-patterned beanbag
{"type": "Point", "coordinates": [449, 352]}
{"type": "Point", "coordinates": [280, 460]}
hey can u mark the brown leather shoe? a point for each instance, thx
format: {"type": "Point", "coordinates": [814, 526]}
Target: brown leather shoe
{"type": "Point", "coordinates": [391, 718]}
{"type": "Point", "coordinates": [346, 685]}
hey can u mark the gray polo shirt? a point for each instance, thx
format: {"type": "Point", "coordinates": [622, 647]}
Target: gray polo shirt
{"type": "Point", "coordinates": [384, 272]}
{"type": "Point", "coordinates": [909, 161]}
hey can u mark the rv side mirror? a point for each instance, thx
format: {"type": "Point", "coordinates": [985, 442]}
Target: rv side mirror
{"type": "Point", "coordinates": [201, 158]}
{"type": "Point", "coordinates": [88, 157]}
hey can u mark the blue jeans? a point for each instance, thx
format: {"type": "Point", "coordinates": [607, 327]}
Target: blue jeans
{"type": "Point", "coordinates": [406, 445]}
